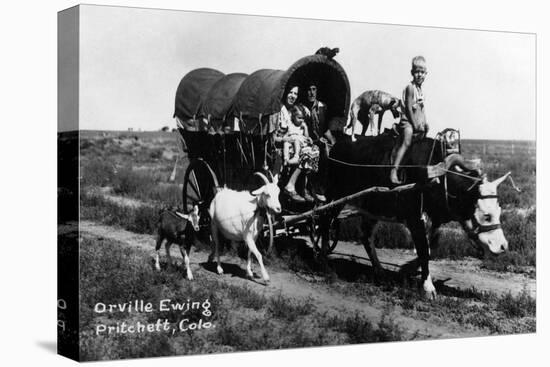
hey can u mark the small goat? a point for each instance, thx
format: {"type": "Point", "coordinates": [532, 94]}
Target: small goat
{"type": "Point", "coordinates": [173, 227]}
{"type": "Point", "coordinates": [236, 215]}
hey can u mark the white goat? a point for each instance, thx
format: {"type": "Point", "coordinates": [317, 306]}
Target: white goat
{"type": "Point", "coordinates": [236, 216]}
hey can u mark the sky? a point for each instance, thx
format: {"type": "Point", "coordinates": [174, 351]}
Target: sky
{"type": "Point", "coordinates": [132, 60]}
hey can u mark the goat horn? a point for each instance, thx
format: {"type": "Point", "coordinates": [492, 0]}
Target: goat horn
{"type": "Point", "coordinates": [458, 160]}
{"type": "Point", "coordinates": [262, 176]}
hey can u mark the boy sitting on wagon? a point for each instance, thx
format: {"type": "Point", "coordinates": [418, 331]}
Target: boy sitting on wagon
{"type": "Point", "coordinates": [413, 118]}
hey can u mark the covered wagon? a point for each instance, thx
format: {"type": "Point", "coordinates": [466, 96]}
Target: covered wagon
{"type": "Point", "coordinates": [227, 121]}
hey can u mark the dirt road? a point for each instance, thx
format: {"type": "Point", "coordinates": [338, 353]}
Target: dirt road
{"type": "Point", "coordinates": [463, 274]}
{"type": "Point", "coordinates": [332, 298]}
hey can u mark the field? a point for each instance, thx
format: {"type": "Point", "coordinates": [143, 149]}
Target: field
{"type": "Point", "coordinates": [126, 180]}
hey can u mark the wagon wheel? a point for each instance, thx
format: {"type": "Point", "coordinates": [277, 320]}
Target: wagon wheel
{"type": "Point", "coordinates": [265, 237]}
{"type": "Point", "coordinates": [199, 187]}
{"type": "Point", "coordinates": [334, 234]}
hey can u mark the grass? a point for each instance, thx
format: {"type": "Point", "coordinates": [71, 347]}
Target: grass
{"type": "Point", "coordinates": [517, 306]}
{"type": "Point", "coordinates": [248, 320]}
{"type": "Point", "coordinates": [244, 319]}
{"type": "Point", "coordinates": [140, 220]}
{"type": "Point", "coordinates": [497, 314]}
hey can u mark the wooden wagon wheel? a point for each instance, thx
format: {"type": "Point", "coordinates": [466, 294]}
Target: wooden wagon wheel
{"type": "Point", "coordinates": [265, 237]}
{"type": "Point", "coordinates": [199, 187]}
{"type": "Point", "coordinates": [334, 234]}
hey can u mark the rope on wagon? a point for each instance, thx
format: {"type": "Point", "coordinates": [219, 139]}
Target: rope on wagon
{"type": "Point", "coordinates": [375, 165]}
{"type": "Point", "coordinates": [401, 165]}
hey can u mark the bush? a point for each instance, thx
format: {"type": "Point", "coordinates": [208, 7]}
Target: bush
{"type": "Point", "coordinates": [134, 183]}
{"type": "Point", "coordinates": [285, 308]}
{"type": "Point", "coordinates": [453, 243]}
{"type": "Point", "coordinates": [156, 153]}
{"type": "Point", "coordinates": [97, 172]}
{"type": "Point", "coordinates": [521, 306]}
{"type": "Point", "coordinates": [140, 220]}
{"type": "Point", "coordinates": [391, 235]}
{"type": "Point", "coordinates": [360, 330]}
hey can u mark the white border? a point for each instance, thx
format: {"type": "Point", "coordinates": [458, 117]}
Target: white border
{"type": "Point", "coordinates": [28, 152]}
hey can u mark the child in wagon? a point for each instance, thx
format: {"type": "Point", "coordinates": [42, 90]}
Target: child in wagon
{"type": "Point", "coordinates": [297, 136]}
{"type": "Point", "coordinates": [413, 118]}
{"type": "Point", "coordinates": [292, 131]}
{"type": "Point", "coordinates": [306, 154]}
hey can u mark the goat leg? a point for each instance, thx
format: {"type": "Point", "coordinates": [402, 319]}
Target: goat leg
{"type": "Point", "coordinates": [157, 249]}
{"type": "Point", "coordinates": [249, 272]}
{"type": "Point", "coordinates": [216, 240]}
{"type": "Point", "coordinates": [186, 260]}
{"type": "Point", "coordinates": [252, 247]}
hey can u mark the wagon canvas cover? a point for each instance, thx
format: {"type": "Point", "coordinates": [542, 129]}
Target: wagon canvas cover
{"type": "Point", "coordinates": [256, 99]}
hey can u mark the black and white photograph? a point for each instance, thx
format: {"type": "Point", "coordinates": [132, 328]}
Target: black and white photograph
{"type": "Point", "coordinates": [274, 183]}
{"type": "Point", "coordinates": [245, 183]}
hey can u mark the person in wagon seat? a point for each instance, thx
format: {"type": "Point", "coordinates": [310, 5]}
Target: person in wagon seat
{"type": "Point", "coordinates": [413, 118]}
{"type": "Point", "coordinates": [319, 132]}
{"type": "Point", "coordinates": [308, 156]}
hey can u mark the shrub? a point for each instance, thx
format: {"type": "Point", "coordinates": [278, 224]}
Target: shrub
{"type": "Point", "coordinates": [453, 243]}
{"type": "Point", "coordinates": [133, 183]}
{"type": "Point", "coordinates": [97, 172]}
{"type": "Point", "coordinates": [156, 153]}
{"type": "Point", "coordinates": [288, 309]}
{"type": "Point", "coordinates": [517, 306]}
{"type": "Point", "coordinates": [360, 330]}
{"type": "Point", "coordinates": [391, 235]}
{"type": "Point", "coordinates": [140, 220]}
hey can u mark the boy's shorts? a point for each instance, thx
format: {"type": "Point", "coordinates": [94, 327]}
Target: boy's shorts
{"type": "Point", "coordinates": [417, 134]}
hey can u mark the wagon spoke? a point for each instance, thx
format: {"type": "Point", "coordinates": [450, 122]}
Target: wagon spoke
{"type": "Point", "coordinates": [194, 184]}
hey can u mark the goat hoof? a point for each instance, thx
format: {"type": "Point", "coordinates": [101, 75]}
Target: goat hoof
{"type": "Point", "coordinates": [430, 295]}
{"type": "Point", "coordinates": [190, 276]}
{"type": "Point", "coordinates": [429, 289]}
{"type": "Point", "coordinates": [220, 270]}
{"type": "Point", "coordinates": [157, 267]}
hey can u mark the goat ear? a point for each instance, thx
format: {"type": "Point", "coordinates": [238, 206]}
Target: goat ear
{"type": "Point", "coordinates": [196, 209]}
{"type": "Point", "coordinates": [181, 215]}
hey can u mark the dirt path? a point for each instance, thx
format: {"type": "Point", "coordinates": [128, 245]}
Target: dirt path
{"type": "Point", "coordinates": [462, 274]}
{"type": "Point", "coordinates": [327, 298]}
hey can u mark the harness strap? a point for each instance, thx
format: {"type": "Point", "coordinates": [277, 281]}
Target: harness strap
{"type": "Point", "coordinates": [489, 196]}
{"type": "Point", "coordinates": [487, 228]}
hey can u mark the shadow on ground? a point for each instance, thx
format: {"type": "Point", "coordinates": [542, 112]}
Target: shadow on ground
{"type": "Point", "coordinates": [299, 256]}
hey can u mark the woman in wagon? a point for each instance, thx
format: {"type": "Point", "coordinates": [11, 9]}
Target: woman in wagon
{"type": "Point", "coordinates": [307, 158]}
{"type": "Point", "coordinates": [413, 120]}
